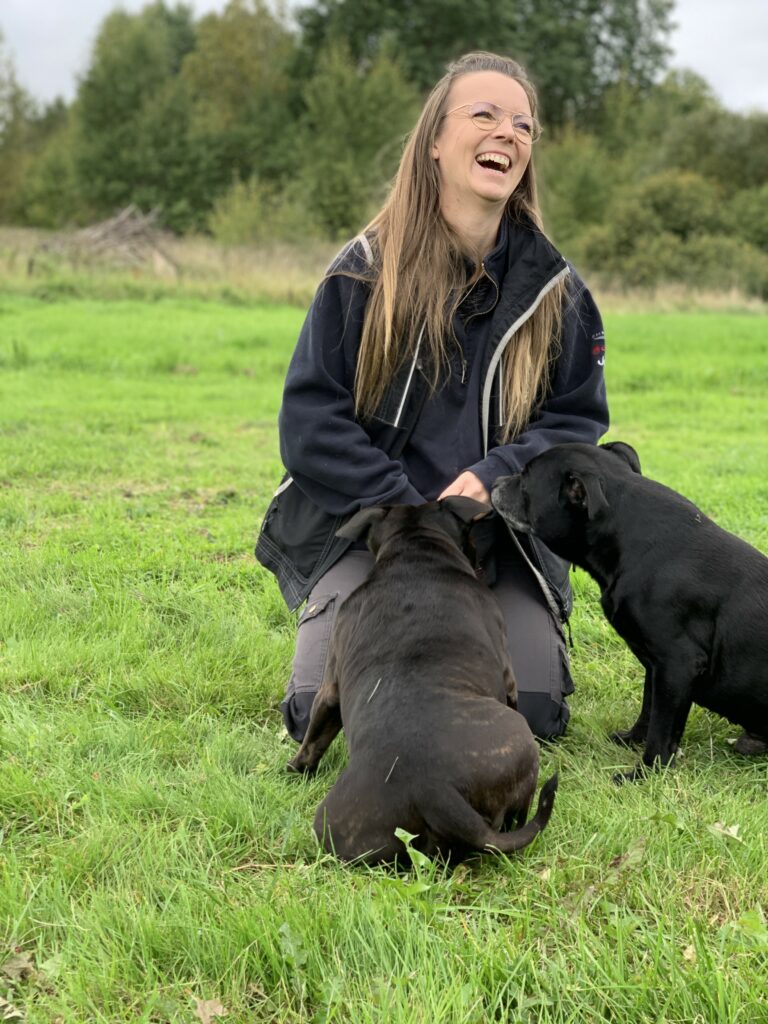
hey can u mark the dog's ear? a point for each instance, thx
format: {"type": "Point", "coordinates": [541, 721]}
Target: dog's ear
{"type": "Point", "coordinates": [585, 491]}
{"type": "Point", "coordinates": [467, 509]}
{"type": "Point", "coordinates": [358, 526]}
{"type": "Point", "coordinates": [624, 451]}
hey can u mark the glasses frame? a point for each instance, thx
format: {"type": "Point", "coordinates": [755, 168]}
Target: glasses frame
{"type": "Point", "coordinates": [527, 140]}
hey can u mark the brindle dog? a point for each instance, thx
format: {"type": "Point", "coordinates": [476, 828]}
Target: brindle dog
{"type": "Point", "coordinates": [419, 676]}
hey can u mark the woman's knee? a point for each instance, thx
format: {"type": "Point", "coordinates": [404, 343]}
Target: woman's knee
{"type": "Point", "coordinates": [313, 636]}
{"type": "Point", "coordinates": [547, 718]}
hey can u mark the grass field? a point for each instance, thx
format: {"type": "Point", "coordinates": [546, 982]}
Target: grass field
{"type": "Point", "coordinates": [157, 864]}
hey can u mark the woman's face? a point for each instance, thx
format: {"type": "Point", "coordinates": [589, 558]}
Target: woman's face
{"type": "Point", "coordinates": [469, 174]}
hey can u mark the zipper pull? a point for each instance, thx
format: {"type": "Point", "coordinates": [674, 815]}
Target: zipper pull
{"type": "Point", "coordinates": [463, 370]}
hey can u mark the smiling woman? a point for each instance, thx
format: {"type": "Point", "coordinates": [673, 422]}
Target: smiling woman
{"type": "Point", "coordinates": [482, 151]}
{"type": "Point", "coordinates": [448, 344]}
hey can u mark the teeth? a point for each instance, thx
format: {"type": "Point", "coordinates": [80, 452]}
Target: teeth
{"type": "Point", "coordinates": [497, 160]}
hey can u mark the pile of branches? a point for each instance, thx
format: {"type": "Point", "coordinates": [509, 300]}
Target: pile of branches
{"type": "Point", "coordinates": [130, 239]}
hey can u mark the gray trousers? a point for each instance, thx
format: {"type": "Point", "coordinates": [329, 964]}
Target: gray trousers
{"type": "Point", "coordinates": [536, 643]}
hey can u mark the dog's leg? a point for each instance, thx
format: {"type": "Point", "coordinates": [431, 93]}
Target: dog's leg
{"type": "Point", "coordinates": [635, 736]}
{"type": "Point", "coordinates": [670, 706]}
{"type": "Point", "coordinates": [517, 818]}
{"type": "Point", "coordinates": [750, 744]}
{"type": "Point", "coordinates": [455, 825]}
{"type": "Point", "coordinates": [324, 725]}
{"type": "Point", "coordinates": [510, 684]}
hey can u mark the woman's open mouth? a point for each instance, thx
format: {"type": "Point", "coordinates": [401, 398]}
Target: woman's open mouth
{"type": "Point", "coordinates": [499, 163]}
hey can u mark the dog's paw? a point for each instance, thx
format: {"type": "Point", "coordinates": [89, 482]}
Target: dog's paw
{"type": "Point", "coordinates": [296, 767]}
{"type": "Point", "coordinates": [626, 738]}
{"type": "Point", "coordinates": [640, 771]}
{"type": "Point", "coordinates": [750, 745]}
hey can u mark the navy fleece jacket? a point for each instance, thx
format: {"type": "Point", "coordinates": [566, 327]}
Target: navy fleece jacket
{"type": "Point", "coordinates": [330, 454]}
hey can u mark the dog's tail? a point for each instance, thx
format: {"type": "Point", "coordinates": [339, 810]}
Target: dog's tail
{"type": "Point", "coordinates": [450, 815]}
{"type": "Point", "coordinates": [508, 842]}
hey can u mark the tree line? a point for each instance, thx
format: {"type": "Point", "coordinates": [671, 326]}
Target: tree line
{"type": "Point", "coordinates": [256, 124]}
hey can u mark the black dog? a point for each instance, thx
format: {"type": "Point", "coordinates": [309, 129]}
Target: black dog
{"type": "Point", "coordinates": [690, 599]}
{"type": "Point", "coordinates": [419, 675]}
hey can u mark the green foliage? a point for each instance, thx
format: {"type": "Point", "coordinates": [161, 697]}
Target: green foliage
{"type": "Point", "coordinates": [357, 119]}
{"type": "Point", "coordinates": [721, 145]}
{"type": "Point", "coordinates": [684, 203]}
{"type": "Point", "coordinates": [256, 212]}
{"type": "Point", "coordinates": [748, 213]}
{"type": "Point", "coordinates": [572, 53]}
{"type": "Point", "coordinates": [650, 256]}
{"type": "Point", "coordinates": [425, 35]}
{"type": "Point", "coordinates": [124, 93]}
{"type": "Point", "coordinates": [721, 262]}
{"type": "Point", "coordinates": [17, 115]}
{"type": "Point", "coordinates": [578, 178]}
{"type": "Point", "coordinates": [50, 194]}
{"type": "Point", "coordinates": [242, 93]}
{"type": "Point", "coordinates": [256, 125]}
{"type": "Point", "coordinates": [172, 166]}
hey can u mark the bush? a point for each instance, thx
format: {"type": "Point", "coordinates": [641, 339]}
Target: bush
{"type": "Point", "coordinates": [720, 262]}
{"type": "Point", "coordinates": [253, 211]}
{"type": "Point", "coordinates": [720, 145]}
{"type": "Point", "coordinates": [684, 203]}
{"type": "Point", "coordinates": [671, 227]}
{"type": "Point", "coordinates": [50, 194]}
{"type": "Point", "coordinates": [715, 262]}
{"type": "Point", "coordinates": [578, 180]}
{"type": "Point", "coordinates": [630, 220]}
{"type": "Point", "coordinates": [748, 214]}
{"type": "Point", "coordinates": [654, 259]}
{"type": "Point", "coordinates": [356, 119]}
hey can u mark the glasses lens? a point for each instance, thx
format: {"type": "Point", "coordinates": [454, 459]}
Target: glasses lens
{"type": "Point", "coordinates": [526, 128]}
{"type": "Point", "coordinates": [487, 116]}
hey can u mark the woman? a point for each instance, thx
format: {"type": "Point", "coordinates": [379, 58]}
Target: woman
{"type": "Point", "coordinates": [448, 344]}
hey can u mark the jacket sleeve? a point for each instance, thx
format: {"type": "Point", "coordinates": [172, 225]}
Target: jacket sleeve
{"type": "Point", "coordinates": [576, 408]}
{"type": "Point", "coordinates": [323, 447]}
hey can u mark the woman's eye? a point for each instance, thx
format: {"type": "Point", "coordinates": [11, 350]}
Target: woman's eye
{"type": "Point", "coordinates": [485, 115]}
{"type": "Point", "coordinates": [523, 126]}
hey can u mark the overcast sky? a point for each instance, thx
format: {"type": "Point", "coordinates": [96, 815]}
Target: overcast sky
{"type": "Point", "coordinates": [725, 42]}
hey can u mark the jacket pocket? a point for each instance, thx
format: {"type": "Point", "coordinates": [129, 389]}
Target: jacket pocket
{"type": "Point", "coordinates": [295, 539]}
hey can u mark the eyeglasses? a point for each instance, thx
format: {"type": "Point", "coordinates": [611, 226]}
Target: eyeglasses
{"type": "Point", "coordinates": [487, 116]}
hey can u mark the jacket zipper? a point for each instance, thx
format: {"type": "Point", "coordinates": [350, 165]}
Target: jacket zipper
{"type": "Point", "coordinates": [499, 351]}
{"type": "Point", "coordinates": [482, 312]}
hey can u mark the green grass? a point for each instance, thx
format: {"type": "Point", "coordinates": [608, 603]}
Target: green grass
{"type": "Point", "coordinates": [152, 850]}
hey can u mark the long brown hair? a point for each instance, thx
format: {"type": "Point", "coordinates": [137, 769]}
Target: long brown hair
{"type": "Point", "coordinates": [419, 273]}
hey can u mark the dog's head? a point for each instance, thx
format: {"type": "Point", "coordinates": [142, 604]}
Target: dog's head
{"type": "Point", "coordinates": [562, 491]}
{"type": "Point", "coordinates": [451, 518]}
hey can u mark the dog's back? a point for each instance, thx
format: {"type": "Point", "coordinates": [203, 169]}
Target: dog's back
{"type": "Point", "coordinates": [426, 688]}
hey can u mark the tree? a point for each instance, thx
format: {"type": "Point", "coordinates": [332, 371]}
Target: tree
{"type": "Point", "coordinates": [20, 132]}
{"type": "Point", "coordinates": [356, 119]}
{"type": "Point", "coordinates": [127, 85]}
{"type": "Point", "coordinates": [748, 212]}
{"type": "Point", "coordinates": [241, 91]}
{"type": "Point", "coordinates": [50, 195]}
{"type": "Point", "coordinates": [573, 49]}
{"type": "Point", "coordinates": [722, 145]}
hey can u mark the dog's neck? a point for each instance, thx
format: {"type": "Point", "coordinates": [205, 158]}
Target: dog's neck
{"type": "Point", "coordinates": [600, 557]}
{"type": "Point", "coordinates": [420, 543]}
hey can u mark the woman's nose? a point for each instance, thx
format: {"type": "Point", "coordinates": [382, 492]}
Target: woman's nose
{"type": "Point", "coordinates": [506, 128]}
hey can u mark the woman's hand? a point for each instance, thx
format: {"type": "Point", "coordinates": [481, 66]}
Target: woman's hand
{"type": "Point", "coordinates": [469, 485]}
